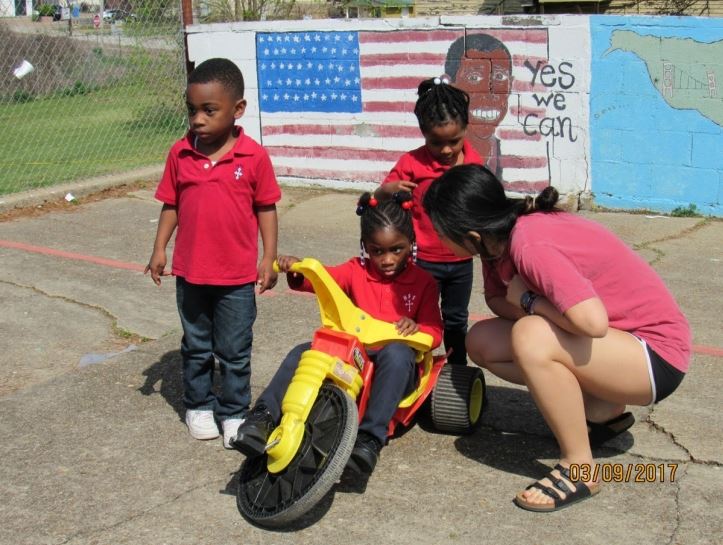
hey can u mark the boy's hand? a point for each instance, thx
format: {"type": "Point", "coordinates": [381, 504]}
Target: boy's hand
{"type": "Point", "coordinates": [156, 266]}
{"type": "Point", "coordinates": [286, 261]}
{"type": "Point", "coordinates": [406, 326]}
{"type": "Point", "coordinates": [267, 276]}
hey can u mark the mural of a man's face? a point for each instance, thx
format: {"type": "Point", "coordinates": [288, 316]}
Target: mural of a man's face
{"type": "Point", "coordinates": [487, 77]}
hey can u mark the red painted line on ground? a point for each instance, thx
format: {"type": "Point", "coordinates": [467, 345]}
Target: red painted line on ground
{"type": "Point", "coordinates": [115, 264]}
{"type": "Point", "coordinates": [707, 350]}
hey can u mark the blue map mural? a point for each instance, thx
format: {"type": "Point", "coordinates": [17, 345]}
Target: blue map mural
{"type": "Point", "coordinates": [656, 112]}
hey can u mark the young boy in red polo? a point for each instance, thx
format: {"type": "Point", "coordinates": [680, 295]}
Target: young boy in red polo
{"type": "Point", "coordinates": [220, 191]}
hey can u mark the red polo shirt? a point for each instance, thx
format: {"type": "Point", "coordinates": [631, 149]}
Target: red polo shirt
{"type": "Point", "coordinates": [421, 168]}
{"type": "Point", "coordinates": [217, 236]}
{"type": "Point", "coordinates": [413, 293]}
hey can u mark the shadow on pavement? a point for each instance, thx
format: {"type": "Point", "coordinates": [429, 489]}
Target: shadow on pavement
{"type": "Point", "coordinates": [167, 372]}
{"type": "Point", "coordinates": [513, 447]}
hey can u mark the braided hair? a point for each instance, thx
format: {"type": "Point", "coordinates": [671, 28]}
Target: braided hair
{"type": "Point", "coordinates": [440, 103]}
{"type": "Point", "coordinates": [223, 71]}
{"type": "Point", "coordinates": [388, 213]}
{"type": "Point", "coordinates": [470, 198]}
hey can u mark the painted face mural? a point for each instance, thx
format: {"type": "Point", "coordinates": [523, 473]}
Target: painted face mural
{"type": "Point", "coordinates": [486, 76]}
{"type": "Point", "coordinates": [481, 65]}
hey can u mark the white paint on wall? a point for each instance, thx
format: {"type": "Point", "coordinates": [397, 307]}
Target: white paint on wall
{"type": "Point", "coordinates": [566, 155]}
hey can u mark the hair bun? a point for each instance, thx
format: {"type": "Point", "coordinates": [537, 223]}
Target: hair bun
{"type": "Point", "coordinates": [547, 199]}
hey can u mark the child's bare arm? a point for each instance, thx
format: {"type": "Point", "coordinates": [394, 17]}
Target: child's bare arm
{"type": "Point", "coordinates": [166, 225]}
{"type": "Point", "coordinates": [269, 229]}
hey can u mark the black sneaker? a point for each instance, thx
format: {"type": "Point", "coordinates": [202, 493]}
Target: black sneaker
{"type": "Point", "coordinates": [254, 432]}
{"type": "Point", "coordinates": [365, 453]}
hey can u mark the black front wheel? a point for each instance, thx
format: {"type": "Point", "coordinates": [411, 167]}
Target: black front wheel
{"type": "Point", "coordinates": [278, 499]}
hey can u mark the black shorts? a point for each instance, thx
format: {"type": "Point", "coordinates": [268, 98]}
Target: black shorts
{"type": "Point", "coordinates": [665, 378]}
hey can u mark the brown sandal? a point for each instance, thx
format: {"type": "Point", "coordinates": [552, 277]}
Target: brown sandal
{"type": "Point", "coordinates": [581, 492]}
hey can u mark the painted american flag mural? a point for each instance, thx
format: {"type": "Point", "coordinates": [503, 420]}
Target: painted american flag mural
{"type": "Point", "coordinates": [339, 105]}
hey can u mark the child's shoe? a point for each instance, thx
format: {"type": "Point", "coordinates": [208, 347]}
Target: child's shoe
{"type": "Point", "coordinates": [365, 453]}
{"type": "Point", "coordinates": [254, 432]}
{"type": "Point", "coordinates": [230, 427]}
{"type": "Point", "coordinates": [201, 424]}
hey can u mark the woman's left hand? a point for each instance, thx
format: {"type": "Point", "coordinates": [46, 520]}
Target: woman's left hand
{"type": "Point", "coordinates": [515, 289]}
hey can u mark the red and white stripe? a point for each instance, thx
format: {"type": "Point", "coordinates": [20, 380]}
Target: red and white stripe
{"type": "Point", "coordinates": [363, 147]}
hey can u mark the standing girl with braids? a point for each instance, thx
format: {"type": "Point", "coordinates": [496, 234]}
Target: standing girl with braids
{"type": "Point", "coordinates": [442, 113]}
{"type": "Point", "coordinates": [584, 322]}
{"type": "Point", "coordinates": [386, 283]}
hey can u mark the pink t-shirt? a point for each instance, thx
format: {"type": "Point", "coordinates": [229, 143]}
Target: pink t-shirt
{"type": "Point", "coordinates": [570, 259]}
{"type": "Point", "coordinates": [420, 167]}
{"type": "Point", "coordinates": [217, 235]}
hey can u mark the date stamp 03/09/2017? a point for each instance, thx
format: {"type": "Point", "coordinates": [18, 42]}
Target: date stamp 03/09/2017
{"type": "Point", "coordinates": [624, 473]}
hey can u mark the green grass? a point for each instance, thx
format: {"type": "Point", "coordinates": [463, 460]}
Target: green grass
{"type": "Point", "coordinates": [62, 138]}
{"type": "Point", "coordinates": [690, 211]}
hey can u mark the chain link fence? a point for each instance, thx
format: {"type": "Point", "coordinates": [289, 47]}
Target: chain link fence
{"type": "Point", "coordinates": [87, 89]}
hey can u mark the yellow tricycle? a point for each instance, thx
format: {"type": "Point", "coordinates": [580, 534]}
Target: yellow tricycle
{"type": "Point", "coordinates": [309, 449]}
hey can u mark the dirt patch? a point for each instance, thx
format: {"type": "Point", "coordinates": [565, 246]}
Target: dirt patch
{"type": "Point", "coordinates": [61, 205]}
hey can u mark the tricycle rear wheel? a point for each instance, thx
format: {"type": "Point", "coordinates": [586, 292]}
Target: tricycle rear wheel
{"type": "Point", "coordinates": [458, 399]}
{"type": "Point", "coordinates": [279, 499]}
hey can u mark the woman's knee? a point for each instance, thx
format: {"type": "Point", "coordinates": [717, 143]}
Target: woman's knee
{"type": "Point", "coordinates": [486, 343]}
{"type": "Point", "coordinates": [531, 340]}
{"type": "Point", "coordinates": [477, 350]}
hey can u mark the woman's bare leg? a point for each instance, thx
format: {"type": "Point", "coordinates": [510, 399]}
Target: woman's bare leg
{"type": "Point", "coordinates": [558, 366]}
{"type": "Point", "coordinates": [488, 345]}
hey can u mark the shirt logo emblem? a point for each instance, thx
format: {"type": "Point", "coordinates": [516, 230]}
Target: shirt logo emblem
{"type": "Point", "coordinates": [409, 301]}
{"type": "Point", "coordinates": [238, 172]}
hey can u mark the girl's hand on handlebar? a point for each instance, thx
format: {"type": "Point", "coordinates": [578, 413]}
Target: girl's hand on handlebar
{"type": "Point", "coordinates": [286, 261]}
{"type": "Point", "coordinates": [406, 326]}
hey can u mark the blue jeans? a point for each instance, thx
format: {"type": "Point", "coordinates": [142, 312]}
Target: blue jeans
{"type": "Point", "coordinates": [394, 377]}
{"type": "Point", "coordinates": [217, 324]}
{"type": "Point", "coordinates": [454, 280]}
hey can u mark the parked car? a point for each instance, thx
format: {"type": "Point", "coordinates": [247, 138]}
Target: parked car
{"type": "Point", "coordinates": [112, 15]}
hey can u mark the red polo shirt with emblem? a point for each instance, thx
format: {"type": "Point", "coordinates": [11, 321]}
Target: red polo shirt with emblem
{"type": "Point", "coordinates": [412, 293]}
{"type": "Point", "coordinates": [217, 234]}
{"type": "Point", "coordinates": [420, 167]}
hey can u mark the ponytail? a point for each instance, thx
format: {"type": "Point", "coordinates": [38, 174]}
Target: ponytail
{"type": "Point", "coordinates": [470, 198]}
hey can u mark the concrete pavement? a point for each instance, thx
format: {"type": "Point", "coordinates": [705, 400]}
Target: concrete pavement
{"type": "Point", "coordinates": [94, 450]}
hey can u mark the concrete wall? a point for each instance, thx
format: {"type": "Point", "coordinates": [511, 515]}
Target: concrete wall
{"type": "Point", "coordinates": [592, 105]}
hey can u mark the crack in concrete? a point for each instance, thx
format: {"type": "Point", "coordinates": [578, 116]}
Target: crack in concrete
{"type": "Point", "coordinates": [678, 516]}
{"type": "Point", "coordinates": [116, 330]}
{"type": "Point", "coordinates": [660, 254]}
{"type": "Point", "coordinates": [657, 427]}
{"type": "Point", "coordinates": [691, 459]}
{"type": "Point", "coordinates": [136, 516]}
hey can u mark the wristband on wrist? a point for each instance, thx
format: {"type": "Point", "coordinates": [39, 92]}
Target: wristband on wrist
{"type": "Point", "coordinates": [527, 301]}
